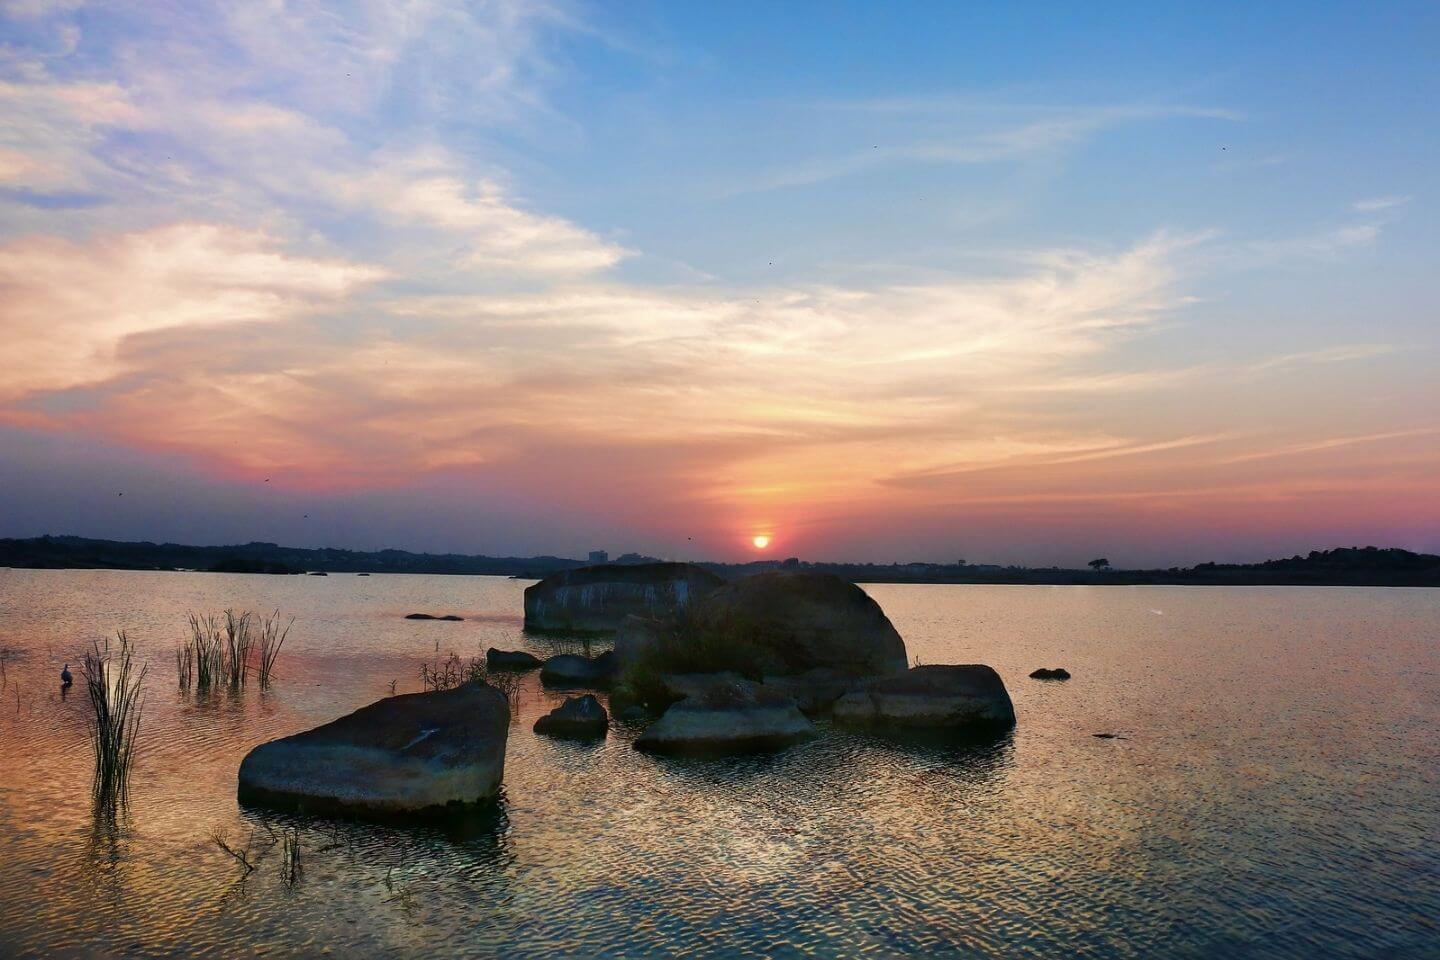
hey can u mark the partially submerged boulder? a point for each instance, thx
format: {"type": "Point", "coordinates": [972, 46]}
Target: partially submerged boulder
{"type": "Point", "coordinates": [724, 714]}
{"type": "Point", "coordinates": [417, 754]}
{"type": "Point", "coordinates": [1050, 673]}
{"type": "Point", "coordinates": [799, 621]}
{"type": "Point", "coordinates": [576, 718]}
{"type": "Point", "coordinates": [959, 697]}
{"type": "Point", "coordinates": [573, 670]}
{"type": "Point", "coordinates": [497, 659]}
{"type": "Point", "coordinates": [596, 599]}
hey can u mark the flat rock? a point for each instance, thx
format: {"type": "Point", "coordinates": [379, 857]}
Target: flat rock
{"type": "Point", "coordinates": [430, 616]}
{"type": "Point", "coordinates": [576, 718]}
{"type": "Point", "coordinates": [417, 754]}
{"type": "Point", "coordinates": [1049, 673]}
{"type": "Point", "coordinates": [724, 714]}
{"type": "Point", "coordinates": [497, 659]}
{"type": "Point", "coordinates": [931, 697]}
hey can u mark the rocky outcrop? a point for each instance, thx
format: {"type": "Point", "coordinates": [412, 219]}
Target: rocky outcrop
{"type": "Point", "coordinates": [801, 621]}
{"type": "Point", "coordinates": [573, 670]}
{"type": "Point", "coordinates": [497, 659]}
{"type": "Point", "coordinates": [1049, 673]}
{"type": "Point", "coordinates": [724, 714]}
{"type": "Point", "coordinates": [596, 599]}
{"type": "Point", "coordinates": [577, 718]}
{"type": "Point", "coordinates": [415, 754]}
{"type": "Point", "coordinates": [430, 616]}
{"type": "Point", "coordinates": [964, 697]}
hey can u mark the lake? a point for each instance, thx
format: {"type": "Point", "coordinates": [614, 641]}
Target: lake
{"type": "Point", "coordinates": [1274, 790]}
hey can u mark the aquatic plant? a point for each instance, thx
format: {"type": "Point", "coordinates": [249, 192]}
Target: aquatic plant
{"type": "Point", "coordinates": [237, 648]}
{"type": "Point", "coordinates": [271, 639]}
{"type": "Point", "coordinates": [446, 675]}
{"type": "Point", "coordinates": [290, 857]}
{"type": "Point", "coordinates": [114, 687]}
{"type": "Point", "coordinates": [205, 651]}
{"type": "Point", "coordinates": [452, 672]}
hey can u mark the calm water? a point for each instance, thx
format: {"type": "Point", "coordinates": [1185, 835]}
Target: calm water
{"type": "Point", "coordinates": [1277, 793]}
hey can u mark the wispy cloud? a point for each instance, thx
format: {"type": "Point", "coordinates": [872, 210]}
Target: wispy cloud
{"type": "Point", "coordinates": [1377, 204]}
{"type": "Point", "coordinates": [963, 131]}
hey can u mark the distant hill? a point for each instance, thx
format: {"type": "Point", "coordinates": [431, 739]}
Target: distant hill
{"type": "Point", "coordinates": [1352, 566]}
{"type": "Point", "coordinates": [259, 557]}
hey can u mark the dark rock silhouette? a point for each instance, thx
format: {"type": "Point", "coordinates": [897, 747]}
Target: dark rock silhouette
{"type": "Point", "coordinates": [511, 660]}
{"type": "Point", "coordinates": [1049, 673]}
{"type": "Point", "coordinates": [576, 718]}
{"type": "Point", "coordinates": [804, 620]}
{"type": "Point", "coordinates": [430, 616]}
{"type": "Point", "coordinates": [573, 670]}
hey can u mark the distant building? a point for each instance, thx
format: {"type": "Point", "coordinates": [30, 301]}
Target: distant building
{"type": "Point", "coordinates": [636, 558]}
{"type": "Point", "coordinates": [598, 556]}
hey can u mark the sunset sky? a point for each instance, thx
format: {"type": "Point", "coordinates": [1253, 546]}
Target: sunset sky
{"type": "Point", "coordinates": [1014, 283]}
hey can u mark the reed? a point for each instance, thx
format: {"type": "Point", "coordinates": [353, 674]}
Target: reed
{"type": "Point", "coordinates": [238, 642]}
{"type": "Point", "coordinates": [185, 665]}
{"type": "Point", "coordinates": [114, 687]}
{"type": "Point", "coordinates": [271, 639]}
{"type": "Point", "coordinates": [206, 650]}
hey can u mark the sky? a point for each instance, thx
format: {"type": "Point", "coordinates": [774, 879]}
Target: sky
{"type": "Point", "coordinates": [1022, 283]}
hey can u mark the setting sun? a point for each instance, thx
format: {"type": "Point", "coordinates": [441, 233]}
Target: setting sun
{"type": "Point", "coordinates": [760, 542]}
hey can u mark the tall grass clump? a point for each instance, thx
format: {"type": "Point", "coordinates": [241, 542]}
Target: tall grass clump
{"type": "Point", "coordinates": [238, 642]}
{"type": "Point", "coordinates": [203, 653]}
{"type": "Point", "coordinates": [114, 687]}
{"type": "Point", "coordinates": [271, 639]}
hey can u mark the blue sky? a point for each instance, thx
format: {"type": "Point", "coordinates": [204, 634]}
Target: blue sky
{"type": "Point", "coordinates": [1022, 283]}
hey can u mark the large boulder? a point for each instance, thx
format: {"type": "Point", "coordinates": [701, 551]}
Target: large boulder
{"type": "Point", "coordinates": [724, 714]}
{"type": "Point", "coordinates": [415, 754]}
{"type": "Point", "coordinates": [596, 599]}
{"type": "Point", "coordinates": [961, 697]}
{"type": "Point", "coordinates": [576, 718]}
{"type": "Point", "coordinates": [800, 621]}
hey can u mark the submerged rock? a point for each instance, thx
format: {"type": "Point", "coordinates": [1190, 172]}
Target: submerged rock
{"type": "Point", "coordinates": [931, 697]}
{"type": "Point", "coordinates": [596, 599]}
{"type": "Point", "coordinates": [722, 714]}
{"type": "Point", "coordinates": [1047, 673]}
{"type": "Point", "coordinates": [577, 717]}
{"type": "Point", "coordinates": [511, 660]}
{"type": "Point", "coordinates": [573, 670]}
{"type": "Point", "coordinates": [800, 621]}
{"type": "Point", "coordinates": [430, 616]}
{"type": "Point", "coordinates": [415, 754]}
